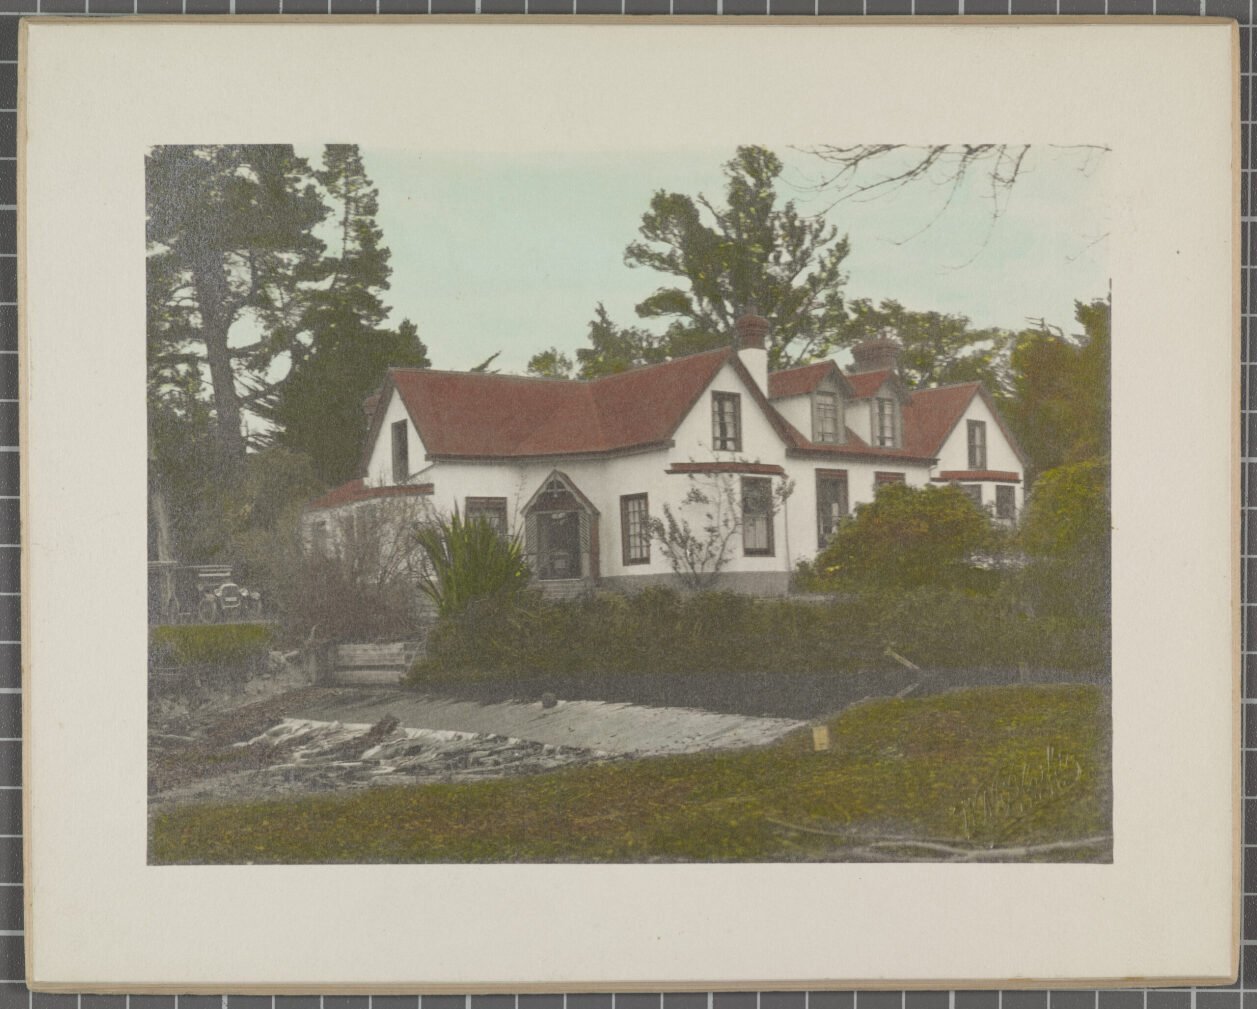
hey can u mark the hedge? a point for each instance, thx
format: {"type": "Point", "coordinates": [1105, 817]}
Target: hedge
{"type": "Point", "coordinates": [209, 644]}
{"type": "Point", "coordinates": [664, 631]}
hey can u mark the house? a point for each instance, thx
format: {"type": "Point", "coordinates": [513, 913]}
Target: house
{"type": "Point", "coordinates": [579, 468]}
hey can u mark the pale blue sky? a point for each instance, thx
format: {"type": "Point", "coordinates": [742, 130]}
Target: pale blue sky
{"type": "Point", "coordinates": [510, 253]}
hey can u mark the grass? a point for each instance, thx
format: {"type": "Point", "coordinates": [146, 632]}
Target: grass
{"type": "Point", "coordinates": [211, 644]}
{"type": "Point", "coordinates": [897, 768]}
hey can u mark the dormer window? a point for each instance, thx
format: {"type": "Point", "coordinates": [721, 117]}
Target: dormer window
{"type": "Point", "coordinates": [827, 424]}
{"type": "Point", "coordinates": [401, 452]}
{"type": "Point", "coordinates": [886, 422]}
{"type": "Point", "coordinates": [726, 422]}
{"type": "Point", "coordinates": [977, 444]}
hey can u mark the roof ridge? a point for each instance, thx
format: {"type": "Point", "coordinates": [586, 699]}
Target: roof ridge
{"type": "Point", "coordinates": [950, 385]}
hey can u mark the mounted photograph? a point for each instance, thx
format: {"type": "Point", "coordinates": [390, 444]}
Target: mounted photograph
{"type": "Point", "coordinates": [744, 505]}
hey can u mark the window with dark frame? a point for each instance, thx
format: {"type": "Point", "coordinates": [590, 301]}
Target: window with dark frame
{"type": "Point", "coordinates": [635, 528]}
{"type": "Point", "coordinates": [977, 444]}
{"type": "Point", "coordinates": [757, 516]}
{"type": "Point", "coordinates": [831, 502]}
{"type": "Point", "coordinates": [1005, 502]}
{"type": "Point", "coordinates": [726, 422]}
{"type": "Point", "coordinates": [491, 509]}
{"type": "Point", "coordinates": [882, 479]}
{"type": "Point", "coordinates": [974, 490]}
{"type": "Point", "coordinates": [887, 435]}
{"type": "Point", "coordinates": [827, 426]}
{"type": "Point", "coordinates": [401, 452]}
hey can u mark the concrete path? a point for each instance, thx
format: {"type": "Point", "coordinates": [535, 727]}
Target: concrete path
{"type": "Point", "coordinates": [593, 725]}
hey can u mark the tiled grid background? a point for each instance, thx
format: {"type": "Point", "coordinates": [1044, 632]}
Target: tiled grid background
{"type": "Point", "coordinates": [13, 992]}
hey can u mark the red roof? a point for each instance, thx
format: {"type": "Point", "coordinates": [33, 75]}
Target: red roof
{"type": "Point", "coordinates": [970, 475]}
{"type": "Point", "coordinates": [473, 415]}
{"type": "Point", "coordinates": [865, 383]}
{"type": "Point", "coordinates": [356, 490]}
{"type": "Point", "coordinates": [467, 414]}
{"type": "Point", "coordinates": [932, 414]}
{"type": "Point", "coordinates": [798, 381]}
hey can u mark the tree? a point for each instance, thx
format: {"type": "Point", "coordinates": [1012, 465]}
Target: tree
{"type": "Point", "coordinates": [697, 552]}
{"type": "Point", "coordinates": [230, 233]}
{"type": "Point", "coordinates": [319, 406]}
{"type": "Point", "coordinates": [1058, 403]}
{"type": "Point", "coordinates": [551, 363]}
{"type": "Point", "coordinates": [872, 170]}
{"type": "Point", "coordinates": [938, 348]}
{"type": "Point", "coordinates": [1066, 534]}
{"type": "Point", "coordinates": [614, 349]}
{"type": "Point", "coordinates": [753, 251]}
{"type": "Point", "coordinates": [339, 349]}
{"type": "Point", "coordinates": [909, 538]}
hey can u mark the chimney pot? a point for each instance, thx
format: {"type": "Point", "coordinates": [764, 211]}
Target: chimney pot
{"type": "Point", "coordinates": [751, 331]}
{"type": "Point", "coordinates": [881, 353]}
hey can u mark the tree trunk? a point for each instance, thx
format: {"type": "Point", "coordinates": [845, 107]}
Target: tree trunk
{"type": "Point", "coordinates": [212, 296]}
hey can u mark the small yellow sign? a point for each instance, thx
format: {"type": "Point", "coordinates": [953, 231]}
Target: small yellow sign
{"type": "Point", "coordinates": [820, 737]}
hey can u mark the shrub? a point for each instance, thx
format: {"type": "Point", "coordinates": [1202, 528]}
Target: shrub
{"type": "Point", "coordinates": [907, 538]}
{"type": "Point", "coordinates": [210, 644]}
{"type": "Point", "coordinates": [468, 560]}
{"type": "Point", "coordinates": [709, 633]}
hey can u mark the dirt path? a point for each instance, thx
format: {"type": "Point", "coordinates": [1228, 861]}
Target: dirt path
{"type": "Point", "coordinates": [613, 728]}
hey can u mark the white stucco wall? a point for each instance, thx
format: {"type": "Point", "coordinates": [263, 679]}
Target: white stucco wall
{"type": "Point", "coordinates": [954, 454]}
{"type": "Point", "coordinates": [604, 480]}
{"type": "Point", "coordinates": [380, 465]}
{"type": "Point", "coordinates": [798, 411]}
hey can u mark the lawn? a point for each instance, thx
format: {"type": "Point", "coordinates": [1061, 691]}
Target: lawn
{"type": "Point", "coordinates": [943, 777]}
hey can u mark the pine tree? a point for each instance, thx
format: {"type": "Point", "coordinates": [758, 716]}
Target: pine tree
{"type": "Point", "coordinates": [342, 350]}
{"type": "Point", "coordinates": [753, 251]}
{"type": "Point", "coordinates": [230, 233]}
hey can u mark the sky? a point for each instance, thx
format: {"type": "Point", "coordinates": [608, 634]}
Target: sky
{"type": "Point", "coordinates": [511, 254]}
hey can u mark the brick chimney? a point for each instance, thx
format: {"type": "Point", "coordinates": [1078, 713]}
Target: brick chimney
{"type": "Point", "coordinates": [881, 353]}
{"type": "Point", "coordinates": [750, 340]}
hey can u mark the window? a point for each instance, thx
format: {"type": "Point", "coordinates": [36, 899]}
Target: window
{"type": "Point", "coordinates": [831, 502]}
{"type": "Point", "coordinates": [757, 516]}
{"type": "Point", "coordinates": [1005, 502]}
{"type": "Point", "coordinates": [726, 422]}
{"type": "Point", "coordinates": [826, 425]}
{"type": "Point", "coordinates": [635, 529]}
{"type": "Point", "coordinates": [491, 509]}
{"type": "Point", "coordinates": [401, 453]}
{"type": "Point", "coordinates": [885, 428]}
{"type": "Point", "coordinates": [881, 479]}
{"type": "Point", "coordinates": [977, 444]}
{"type": "Point", "coordinates": [974, 490]}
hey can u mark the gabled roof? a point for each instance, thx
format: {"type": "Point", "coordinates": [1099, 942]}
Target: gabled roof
{"type": "Point", "coordinates": [931, 415]}
{"type": "Point", "coordinates": [472, 415]}
{"type": "Point", "coordinates": [865, 384]}
{"type": "Point", "coordinates": [805, 379]}
{"type": "Point", "coordinates": [468, 415]}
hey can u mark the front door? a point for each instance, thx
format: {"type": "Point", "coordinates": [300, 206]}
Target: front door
{"type": "Point", "coordinates": [558, 545]}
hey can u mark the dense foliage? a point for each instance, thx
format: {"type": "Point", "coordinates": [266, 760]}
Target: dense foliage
{"type": "Point", "coordinates": [663, 631]}
{"type": "Point", "coordinates": [908, 538]}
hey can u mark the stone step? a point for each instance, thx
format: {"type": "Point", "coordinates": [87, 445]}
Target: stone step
{"type": "Point", "coordinates": [367, 677]}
